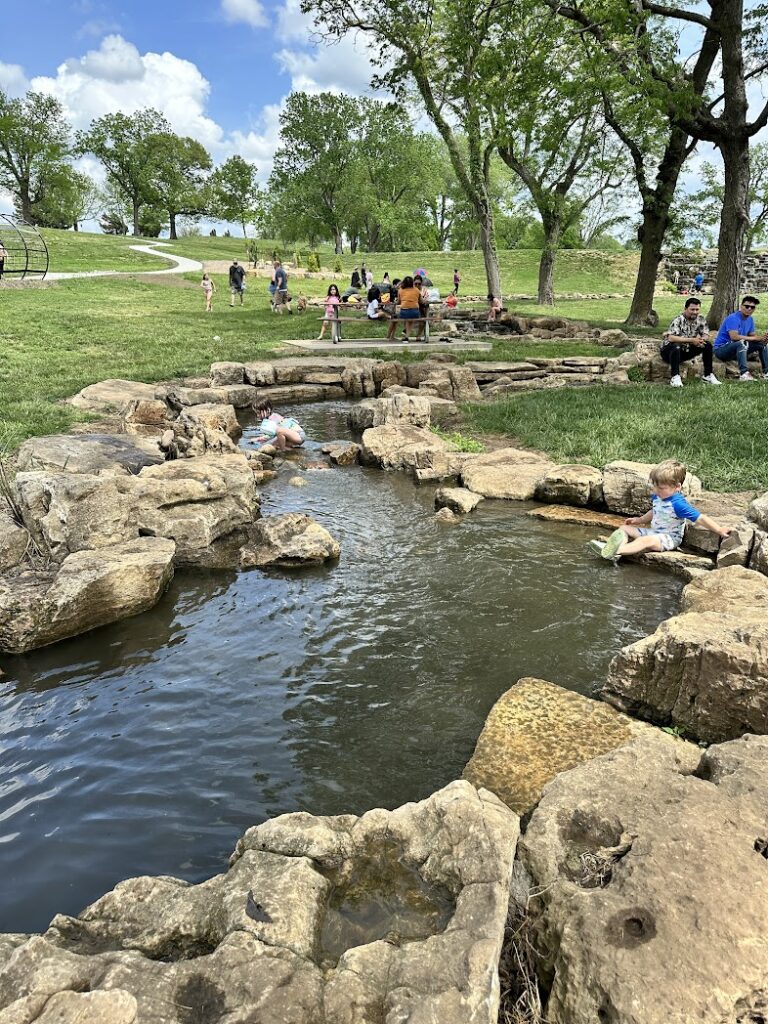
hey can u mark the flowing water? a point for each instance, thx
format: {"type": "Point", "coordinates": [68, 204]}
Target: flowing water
{"type": "Point", "coordinates": [149, 746]}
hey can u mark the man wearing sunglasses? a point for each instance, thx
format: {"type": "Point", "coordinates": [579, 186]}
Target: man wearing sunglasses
{"type": "Point", "coordinates": [737, 339]}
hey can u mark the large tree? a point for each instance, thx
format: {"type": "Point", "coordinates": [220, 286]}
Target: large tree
{"type": "Point", "coordinates": [34, 140]}
{"type": "Point", "coordinates": [180, 177]}
{"type": "Point", "coordinates": [69, 198]}
{"type": "Point", "coordinates": [235, 194]}
{"type": "Point", "coordinates": [708, 200]}
{"type": "Point", "coordinates": [124, 144]}
{"type": "Point", "coordinates": [313, 163]}
{"type": "Point", "coordinates": [434, 48]}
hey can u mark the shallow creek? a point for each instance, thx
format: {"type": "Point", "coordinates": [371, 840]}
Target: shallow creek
{"type": "Point", "coordinates": [151, 745]}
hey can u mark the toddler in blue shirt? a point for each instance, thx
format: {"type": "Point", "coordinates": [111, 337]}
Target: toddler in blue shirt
{"type": "Point", "coordinates": [662, 527]}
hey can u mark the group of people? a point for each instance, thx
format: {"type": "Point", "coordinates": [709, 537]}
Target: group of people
{"type": "Point", "coordinates": [694, 286]}
{"type": "Point", "coordinates": [688, 336]}
{"type": "Point", "coordinates": [236, 286]}
{"type": "Point", "coordinates": [404, 299]}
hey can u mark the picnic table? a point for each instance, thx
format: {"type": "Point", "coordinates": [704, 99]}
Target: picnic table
{"type": "Point", "coordinates": [337, 321]}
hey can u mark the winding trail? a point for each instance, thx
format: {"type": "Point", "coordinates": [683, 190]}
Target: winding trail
{"type": "Point", "coordinates": [181, 266]}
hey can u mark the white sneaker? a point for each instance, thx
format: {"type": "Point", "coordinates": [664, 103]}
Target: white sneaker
{"type": "Point", "coordinates": [675, 381]}
{"type": "Point", "coordinates": [746, 376]}
{"type": "Point", "coordinates": [765, 376]}
{"type": "Point", "coordinates": [711, 379]}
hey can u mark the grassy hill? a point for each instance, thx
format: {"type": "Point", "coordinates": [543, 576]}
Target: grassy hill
{"type": "Point", "coordinates": [577, 271]}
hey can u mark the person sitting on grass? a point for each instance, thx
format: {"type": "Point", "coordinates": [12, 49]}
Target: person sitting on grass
{"type": "Point", "coordinates": [685, 338]}
{"type": "Point", "coordinates": [737, 340]}
{"type": "Point", "coordinates": [661, 528]}
{"type": "Point", "coordinates": [494, 308]}
{"type": "Point", "coordinates": [281, 431]}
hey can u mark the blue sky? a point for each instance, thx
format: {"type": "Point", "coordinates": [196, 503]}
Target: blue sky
{"type": "Point", "coordinates": [219, 70]}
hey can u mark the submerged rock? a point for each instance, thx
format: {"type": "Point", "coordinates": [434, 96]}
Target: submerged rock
{"type": "Point", "coordinates": [89, 589]}
{"type": "Point", "coordinates": [649, 901]}
{"type": "Point", "coordinates": [288, 541]}
{"type": "Point", "coordinates": [457, 499]}
{"type": "Point", "coordinates": [342, 453]}
{"type": "Point", "coordinates": [287, 934]}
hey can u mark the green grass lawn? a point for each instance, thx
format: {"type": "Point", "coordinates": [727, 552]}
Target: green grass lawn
{"type": "Point", "coordinates": [577, 271]}
{"type": "Point", "coordinates": [717, 432]}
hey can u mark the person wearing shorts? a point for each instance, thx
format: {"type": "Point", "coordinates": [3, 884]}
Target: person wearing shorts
{"type": "Point", "coordinates": [663, 526]}
{"type": "Point", "coordinates": [408, 298]}
{"type": "Point", "coordinates": [236, 282]}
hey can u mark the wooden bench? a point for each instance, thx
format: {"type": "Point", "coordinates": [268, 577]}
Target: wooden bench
{"type": "Point", "coordinates": [336, 322]}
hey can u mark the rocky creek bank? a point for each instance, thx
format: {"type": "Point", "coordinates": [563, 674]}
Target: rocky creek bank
{"type": "Point", "coordinates": [630, 861]}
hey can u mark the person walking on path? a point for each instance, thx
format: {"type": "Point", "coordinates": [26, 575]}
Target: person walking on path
{"type": "Point", "coordinates": [209, 289]}
{"type": "Point", "coordinates": [282, 298]}
{"type": "Point", "coordinates": [456, 280]}
{"type": "Point", "coordinates": [236, 282]}
{"type": "Point", "coordinates": [737, 339]}
{"type": "Point", "coordinates": [685, 338]}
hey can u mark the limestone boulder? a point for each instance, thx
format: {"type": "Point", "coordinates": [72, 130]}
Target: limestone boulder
{"type": "Point", "coordinates": [627, 489]}
{"type": "Point", "coordinates": [198, 503]}
{"type": "Point", "coordinates": [115, 396]}
{"type": "Point", "coordinates": [614, 337]}
{"type": "Point", "coordinates": [288, 541]}
{"type": "Point", "coordinates": [736, 548]}
{"type": "Point", "coordinates": [758, 560]}
{"type": "Point", "coordinates": [268, 941]}
{"type": "Point", "coordinates": [758, 511]}
{"type": "Point", "coordinates": [678, 563]}
{"type": "Point", "coordinates": [68, 512]}
{"type": "Point", "coordinates": [442, 465]}
{"type": "Point", "coordinates": [648, 899]}
{"type": "Point", "coordinates": [14, 543]}
{"type": "Point", "coordinates": [89, 589]}
{"type": "Point", "coordinates": [260, 374]}
{"type": "Point", "coordinates": [342, 453]}
{"type": "Point", "coordinates": [734, 590]}
{"type": "Point", "coordinates": [457, 499]}
{"type": "Point", "coordinates": [284, 394]}
{"type": "Point", "coordinates": [728, 509]}
{"type": "Point", "coordinates": [603, 521]}
{"type": "Point", "coordinates": [228, 373]}
{"type": "Point", "coordinates": [241, 396]}
{"type": "Point", "coordinates": [537, 730]}
{"type": "Point", "coordinates": [402, 447]}
{"type": "Point", "coordinates": [703, 672]}
{"type": "Point", "coordinates": [511, 473]}
{"type": "Point", "coordinates": [387, 374]}
{"type": "Point", "coordinates": [454, 383]}
{"type": "Point", "coordinates": [211, 419]}
{"type": "Point", "coordinates": [571, 485]}
{"type": "Point", "coordinates": [95, 454]}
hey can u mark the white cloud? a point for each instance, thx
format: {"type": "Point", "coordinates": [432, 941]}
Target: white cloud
{"type": "Point", "coordinates": [13, 81]}
{"type": "Point", "coordinates": [116, 77]}
{"type": "Point", "coordinates": [249, 11]}
{"type": "Point", "coordinates": [115, 61]}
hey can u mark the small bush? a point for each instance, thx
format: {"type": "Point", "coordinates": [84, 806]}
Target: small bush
{"type": "Point", "coordinates": [337, 267]}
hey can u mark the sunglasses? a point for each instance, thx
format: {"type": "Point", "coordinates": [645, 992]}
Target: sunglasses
{"type": "Point", "coordinates": [748, 305]}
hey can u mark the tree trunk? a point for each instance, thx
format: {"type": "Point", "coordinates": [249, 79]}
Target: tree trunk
{"type": "Point", "coordinates": [338, 244]}
{"type": "Point", "coordinates": [172, 226]}
{"type": "Point", "coordinates": [651, 236]}
{"type": "Point", "coordinates": [552, 234]}
{"type": "Point", "coordinates": [245, 233]}
{"type": "Point", "coordinates": [734, 223]}
{"type": "Point", "coordinates": [488, 245]}
{"type": "Point", "coordinates": [136, 208]}
{"type": "Point", "coordinates": [353, 244]}
{"type": "Point", "coordinates": [75, 227]}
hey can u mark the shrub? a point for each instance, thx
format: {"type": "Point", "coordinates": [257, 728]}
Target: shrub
{"type": "Point", "coordinates": [337, 267]}
{"type": "Point", "coordinates": [463, 442]}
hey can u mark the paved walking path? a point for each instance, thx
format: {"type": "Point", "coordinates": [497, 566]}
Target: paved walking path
{"type": "Point", "coordinates": [182, 265]}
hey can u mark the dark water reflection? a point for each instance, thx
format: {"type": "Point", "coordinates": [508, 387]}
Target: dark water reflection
{"type": "Point", "coordinates": [150, 745]}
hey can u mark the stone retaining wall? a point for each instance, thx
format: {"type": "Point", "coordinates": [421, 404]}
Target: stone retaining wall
{"type": "Point", "coordinates": [754, 274]}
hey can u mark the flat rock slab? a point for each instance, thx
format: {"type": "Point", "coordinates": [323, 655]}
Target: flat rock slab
{"type": "Point", "coordinates": [578, 516]}
{"type": "Point", "coordinates": [734, 588]}
{"type": "Point", "coordinates": [263, 942]}
{"type": "Point", "coordinates": [98, 454]}
{"type": "Point", "coordinates": [115, 395]}
{"type": "Point", "coordinates": [648, 898]}
{"type": "Point", "coordinates": [536, 730]}
{"type": "Point", "coordinates": [289, 541]}
{"type": "Point", "coordinates": [457, 499]}
{"type": "Point", "coordinates": [678, 563]}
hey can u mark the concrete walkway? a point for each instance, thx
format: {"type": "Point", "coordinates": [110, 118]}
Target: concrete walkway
{"type": "Point", "coordinates": [181, 265]}
{"type": "Point", "coordinates": [358, 344]}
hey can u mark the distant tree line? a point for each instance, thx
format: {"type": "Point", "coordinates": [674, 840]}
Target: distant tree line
{"type": "Point", "coordinates": [552, 119]}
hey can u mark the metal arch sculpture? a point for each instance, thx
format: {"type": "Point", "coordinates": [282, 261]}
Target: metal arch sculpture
{"type": "Point", "coordinates": [25, 249]}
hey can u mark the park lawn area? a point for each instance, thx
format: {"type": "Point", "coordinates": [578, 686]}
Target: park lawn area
{"type": "Point", "coordinates": [716, 432]}
{"type": "Point", "coordinates": [71, 251]}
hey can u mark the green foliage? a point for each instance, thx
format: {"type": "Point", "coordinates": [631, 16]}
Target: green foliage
{"type": "Point", "coordinates": [69, 197]}
{"type": "Point", "coordinates": [179, 177]}
{"type": "Point", "coordinates": [313, 262]}
{"type": "Point", "coordinates": [34, 141]}
{"type": "Point", "coordinates": [297, 260]}
{"type": "Point", "coordinates": [463, 442]}
{"type": "Point", "coordinates": [235, 193]}
{"type": "Point", "coordinates": [338, 266]}
{"type": "Point", "coordinates": [124, 143]}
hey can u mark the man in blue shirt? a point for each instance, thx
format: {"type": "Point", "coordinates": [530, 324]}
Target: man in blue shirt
{"type": "Point", "coordinates": [737, 339]}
